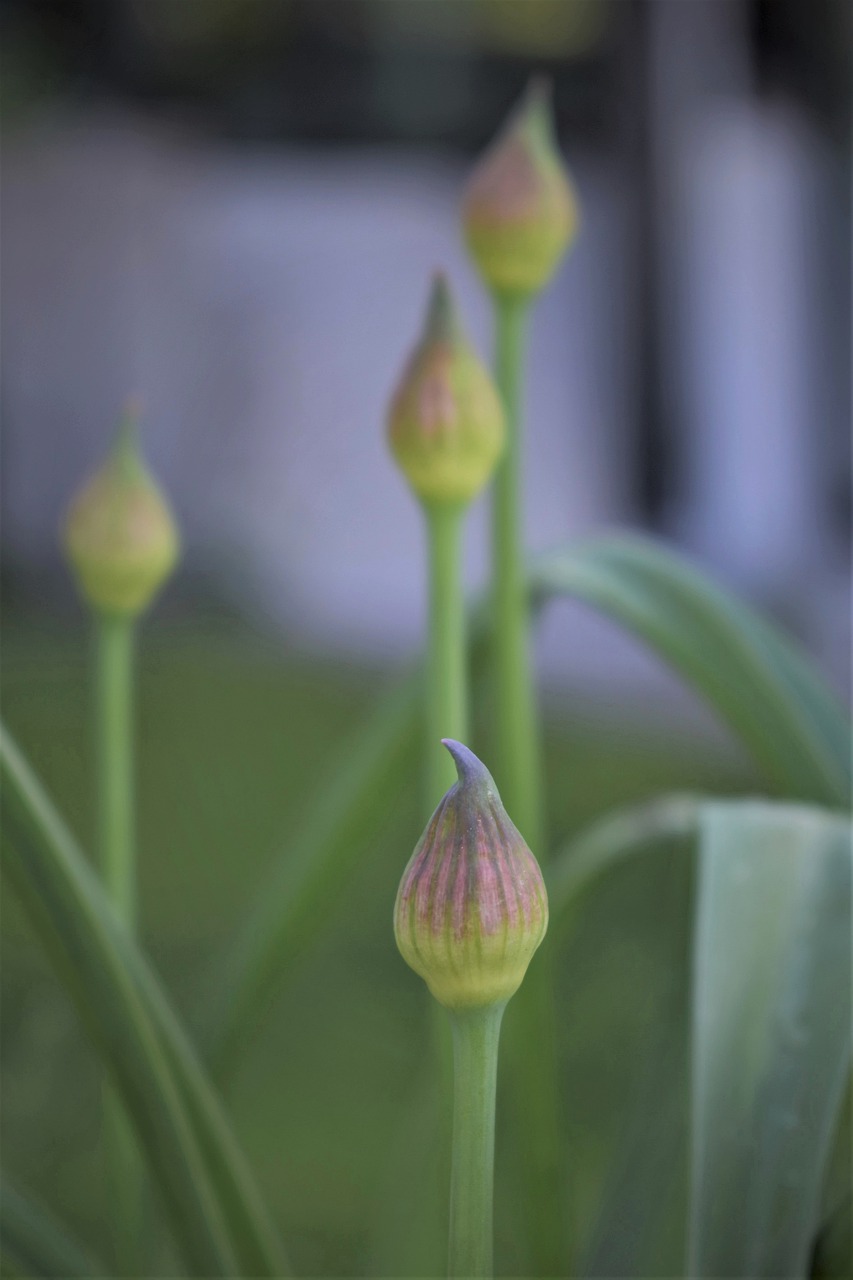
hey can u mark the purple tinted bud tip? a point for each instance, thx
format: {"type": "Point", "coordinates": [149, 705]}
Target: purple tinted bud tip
{"type": "Point", "coordinates": [470, 770]}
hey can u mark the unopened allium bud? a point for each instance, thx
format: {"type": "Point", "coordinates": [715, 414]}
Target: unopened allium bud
{"type": "Point", "coordinates": [445, 424]}
{"type": "Point", "coordinates": [119, 534]}
{"type": "Point", "coordinates": [471, 908]}
{"type": "Point", "coordinates": [520, 212]}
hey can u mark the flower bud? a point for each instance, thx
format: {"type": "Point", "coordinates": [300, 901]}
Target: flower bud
{"type": "Point", "coordinates": [445, 424]}
{"type": "Point", "coordinates": [519, 209]}
{"type": "Point", "coordinates": [119, 534]}
{"type": "Point", "coordinates": [471, 908]}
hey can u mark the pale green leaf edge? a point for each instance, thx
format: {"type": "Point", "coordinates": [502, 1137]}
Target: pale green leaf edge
{"type": "Point", "coordinates": [215, 1209]}
{"type": "Point", "coordinates": [771, 1033]}
{"type": "Point", "coordinates": [644, 828]}
{"type": "Point", "coordinates": [33, 1243]}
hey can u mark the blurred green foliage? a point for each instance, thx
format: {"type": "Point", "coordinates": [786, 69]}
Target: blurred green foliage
{"type": "Point", "coordinates": [232, 733]}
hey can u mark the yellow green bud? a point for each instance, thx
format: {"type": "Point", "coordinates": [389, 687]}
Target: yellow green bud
{"type": "Point", "coordinates": [445, 423]}
{"type": "Point", "coordinates": [471, 908]}
{"type": "Point", "coordinates": [520, 211]}
{"type": "Point", "coordinates": [119, 534]}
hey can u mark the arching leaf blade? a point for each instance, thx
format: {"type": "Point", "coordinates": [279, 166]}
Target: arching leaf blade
{"type": "Point", "coordinates": [33, 1243]}
{"type": "Point", "coordinates": [752, 678]}
{"type": "Point", "coordinates": [207, 1192]}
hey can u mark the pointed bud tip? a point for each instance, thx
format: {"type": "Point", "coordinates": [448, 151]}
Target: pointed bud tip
{"type": "Point", "coordinates": [540, 88]}
{"type": "Point", "coordinates": [533, 118]}
{"type": "Point", "coordinates": [538, 99]}
{"type": "Point", "coordinates": [469, 768]}
{"type": "Point", "coordinates": [443, 322]}
{"type": "Point", "coordinates": [125, 447]}
{"type": "Point", "coordinates": [134, 407]}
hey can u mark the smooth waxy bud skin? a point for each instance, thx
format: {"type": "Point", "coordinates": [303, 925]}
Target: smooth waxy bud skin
{"type": "Point", "coordinates": [520, 211]}
{"type": "Point", "coordinates": [471, 908]}
{"type": "Point", "coordinates": [119, 534]}
{"type": "Point", "coordinates": [445, 424]}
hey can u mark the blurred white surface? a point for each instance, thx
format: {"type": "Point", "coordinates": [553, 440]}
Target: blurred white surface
{"type": "Point", "coordinates": [262, 302]}
{"type": "Point", "coordinates": [262, 305]}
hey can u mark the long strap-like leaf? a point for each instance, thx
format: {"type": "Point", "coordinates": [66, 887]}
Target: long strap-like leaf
{"type": "Point", "coordinates": [747, 673]}
{"type": "Point", "coordinates": [771, 1028]}
{"type": "Point", "coordinates": [32, 1243]}
{"type": "Point", "coordinates": [771, 1032]}
{"type": "Point", "coordinates": [834, 1248]}
{"type": "Point", "coordinates": [215, 1211]}
{"type": "Point", "coordinates": [256, 1242]}
{"type": "Point", "coordinates": [308, 879]}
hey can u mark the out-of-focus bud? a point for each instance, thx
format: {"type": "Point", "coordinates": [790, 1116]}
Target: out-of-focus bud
{"type": "Point", "coordinates": [119, 533]}
{"type": "Point", "coordinates": [445, 423]}
{"type": "Point", "coordinates": [471, 908]}
{"type": "Point", "coordinates": [519, 210]}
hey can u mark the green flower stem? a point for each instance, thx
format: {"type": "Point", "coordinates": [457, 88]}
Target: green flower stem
{"type": "Point", "coordinates": [518, 774]}
{"type": "Point", "coordinates": [115, 763]}
{"type": "Point", "coordinates": [520, 769]}
{"type": "Point", "coordinates": [114, 664]}
{"type": "Point", "coordinates": [446, 717]}
{"type": "Point", "coordinates": [475, 1068]}
{"type": "Point", "coordinates": [447, 686]}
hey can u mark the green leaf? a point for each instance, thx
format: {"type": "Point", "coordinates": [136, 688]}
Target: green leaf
{"type": "Point", "coordinates": [638, 1225]}
{"type": "Point", "coordinates": [213, 1207]}
{"type": "Point", "coordinates": [308, 879]}
{"type": "Point", "coordinates": [770, 1040]}
{"type": "Point", "coordinates": [610, 841]}
{"type": "Point", "coordinates": [834, 1248]}
{"type": "Point", "coordinates": [750, 675]}
{"type": "Point", "coordinates": [256, 1242]}
{"type": "Point", "coordinates": [771, 1033]}
{"type": "Point", "coordinates": [32, 1243]}
{"type": "Point", "coordinates": [816, 703]}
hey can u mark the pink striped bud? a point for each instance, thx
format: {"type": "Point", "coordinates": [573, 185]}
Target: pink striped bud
{"type": "Point", "coordinates": [471, 908]}
{"type": "Point", "coordinates": [445, 423]}
{"type": "Point", "coordinates": [520, 210]}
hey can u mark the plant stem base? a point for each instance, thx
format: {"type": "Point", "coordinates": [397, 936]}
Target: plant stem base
{"type": "Point", "coordinates": [114, 733]}
{"type": "Point", "coordinates": [476, 1033]}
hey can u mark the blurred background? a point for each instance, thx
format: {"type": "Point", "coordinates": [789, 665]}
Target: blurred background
{"type": "Point", "coordinates": [232, 208]}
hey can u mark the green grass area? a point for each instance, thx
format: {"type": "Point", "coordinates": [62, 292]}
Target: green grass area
{"type": "Point", "coordinates": [234, 738]}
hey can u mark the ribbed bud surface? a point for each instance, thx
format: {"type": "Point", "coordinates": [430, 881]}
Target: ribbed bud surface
{"type": "Point", "coordinates": [119, 534]}
{"type": "Point", "coordinates": [445, 423]}
{"type": "Point", "coordinates": [520, 212]}
{"type": "Point", "coordinates": [471, 908]}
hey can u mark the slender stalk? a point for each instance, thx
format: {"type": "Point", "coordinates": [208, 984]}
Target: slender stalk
{"type": "Point", "coordinates": [475, 1068]}
{"type": "Point", "coordinates": [533, 1070]}
{"type": "Point", "coordinates": [518, 774]}
{"type": "Point", "coordinates": [115, 763]}
{"type": "Point", "coordinates": [446, 717]}
{"type": "Point", "coordinates": [446, 688]}
{"type": "Point", "coordinates": [114, 665]}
